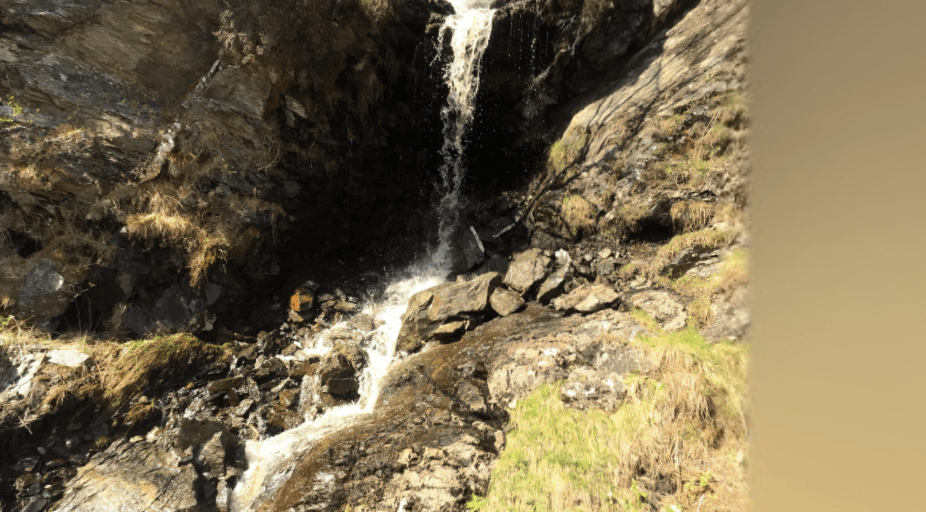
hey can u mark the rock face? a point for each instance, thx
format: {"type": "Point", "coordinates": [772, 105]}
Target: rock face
{"type": "Point", "coordinates": [133, 476]}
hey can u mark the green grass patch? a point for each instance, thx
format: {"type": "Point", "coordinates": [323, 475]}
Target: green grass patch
{"type": "Point", "coordinates": [678, 425]}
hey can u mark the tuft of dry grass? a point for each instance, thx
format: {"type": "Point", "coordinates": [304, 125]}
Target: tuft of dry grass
{"type": "Point", "coordinates": [705, 238]}
{"type": "Point", "coordinates": [673, 442]}
{"type": "Point", "coordinates": [578, 213]}
{"type": "Point", "coordinates": [690, 216]}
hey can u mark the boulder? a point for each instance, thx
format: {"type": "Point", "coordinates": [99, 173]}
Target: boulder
{"type": "Point", "coordinates": [416, 327]}
{"type": "Point", "coordinates": [339, 369]}
{"type": "Point", "coordinates": [362, 322]}
{"type": "Point", "coordinates": [505, 302]}
{"type": "Point", "coordinates": [552, 286]}
{"type": "Point", "coordinates": [586, 299]}
{"type": "Point", "coordinates": [43, 295]}
{"type": "Point", "coordinates": [466, 250]}
{"type": "Point", "coordinates": [528, 268]}
{"type": "Point", "coordinates": [467, 297]}
{"type": "Point", "coordinates": [662, 306]}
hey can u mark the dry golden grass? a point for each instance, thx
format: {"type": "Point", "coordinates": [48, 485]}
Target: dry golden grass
{"type": "Point", "coordinates": [578, 213]}
{"type": "Point", "coordinates": [706, 238]}
{"type": "Point", "coordinates": [120, 373]}
{"type": "Point", "coordinates": [690, 216]}
{"type": "Point", "coordinates": [209, 231]}
{"type": "Point", "coordinates": [680, 429]}
{"type": "Point", "coordinates": [732, 274]}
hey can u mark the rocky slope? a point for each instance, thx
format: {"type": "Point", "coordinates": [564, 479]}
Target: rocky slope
{"type": "Point", "coordinates": [254, 172]}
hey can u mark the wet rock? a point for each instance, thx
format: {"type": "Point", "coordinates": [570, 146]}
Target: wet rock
{"type": "Point", "coordinates": [345, 306]}
{"type": "Point", "coordinates": [416, 326]}
{"type": "Point", "coordinates": [527, 269]}
{"type": "Point", "coordinates": [43, 294]}
{"type": "Point", "coordinates": [362, 322]}
{"type": "Point", "coordinates": [212, 455]}
{"type": "Point", "coordinates": [132, 476]}
{"type": "Point", "coordinates": [468, 297]}
{"type": "Point", "coordinates": [339, 370]}
{"type": "Point", "coordinates": [505, 302]}
{"type": "Point", "coordinates": [586, 299]}
{"type": "Point", "coordinates": [662, 306]}
{"type": "Point", "coordinates": [466, 250]}
{"type": "Point", "coordinates": [35, 505]}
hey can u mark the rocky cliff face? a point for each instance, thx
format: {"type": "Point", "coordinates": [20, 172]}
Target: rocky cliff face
{"type": "Point", "coordinates": [253, 173]}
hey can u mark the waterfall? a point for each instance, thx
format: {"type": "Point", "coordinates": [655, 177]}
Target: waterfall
{"type": "Point", "coordinates": [471, 28]}
{"type": "Point", "coordinates": [272, 460]}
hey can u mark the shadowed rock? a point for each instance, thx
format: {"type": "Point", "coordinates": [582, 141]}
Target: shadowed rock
{"type": "Point", "coordinates": [527, 269]}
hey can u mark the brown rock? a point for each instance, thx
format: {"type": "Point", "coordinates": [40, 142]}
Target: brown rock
{"type": "Point", "coordinates": [302, 300]}
{"type": "Point", "coordinates": [527, 269]}
{"type": "Point", "coordinates": [586, 299]}
{"type": "Point", "coordinates": [505, 302]}
{"type": "Point", "coordinates": [468, 297]}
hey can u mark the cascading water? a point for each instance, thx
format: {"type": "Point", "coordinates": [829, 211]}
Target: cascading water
{"type": "Point", "coordinates": [271, 460]}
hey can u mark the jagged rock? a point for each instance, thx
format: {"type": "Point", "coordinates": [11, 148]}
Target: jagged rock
{"type": "Point", "coordinates": [466, 250]}
{"type": "Point", "coordinates": [43, 294]}
{"type": "Point", "coordinates": [212, 454]}
{"type": "Point", "coordinates": [132, 476]}
{"type": "Point", "coordinates": [505, 302]}
{"type": "Point", "coordinates": [224, 384]}
{"type": "Point", "coordinates": [69, 358]}
{"type": "Point", "coordinates": [302, 300]}
{"type": "Point", "coordinates": [339, 369]}
{"type": "Point", "coordinates": [527, 269]}
{"type": "Point", "coordinates": [552, 286]}
{"type": "Point", "coordinates": [662, 306]}
{"type": "Point", "coordinates": [416, 326]}
{"type": "Point", "coordinates": [586, 299]}
{"type": "Point", "coordinates": [362, 322]}
{"type": "Point", "coordinates": [467, 297]}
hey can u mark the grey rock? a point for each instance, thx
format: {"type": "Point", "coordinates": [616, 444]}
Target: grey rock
{"type": "Point", "coordinates": [662, 306]}
{"type": "Point", "coordinates": [527, 269]}
{"type": "Point", "coordinates": [552, 286]}
{"type": "Point", "coordinates": [132, 476]}
{"type": "Point", "coordinates": [362, 322]}
{"type": "Point", "coordinates": [69, 358]}
{"type": "Point", "coordinates": [35, 505]}
{"type": "Point", "coordinates": [466, 250]}
{"type": "Point", "coordinates": [586, 299]}
{"type": "Point", "coordinates": [505, 302]}
{"type": "Point", "coordinates": [416, 327]}
{"type": "Point", "coordinates": [467, 297]}
{"type": "Point", "coordinates": [43, 294]}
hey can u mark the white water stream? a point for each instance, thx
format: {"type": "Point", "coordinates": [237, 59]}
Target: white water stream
{"type": "Point", "coordinates": [272, 460]}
